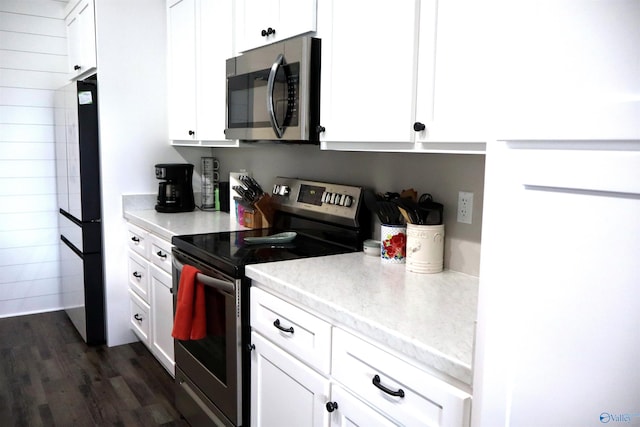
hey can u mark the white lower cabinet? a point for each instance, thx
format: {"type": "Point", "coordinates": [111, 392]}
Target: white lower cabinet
{"type": "Point", "coordinates": [151, 300]}
{"type": "Point", "coordinates": [161, 303]}
{"type": "Point", "coordinates": [395, 387]}
{"type": "Point", "coordinates": [352, 411]}
{"type": "Point", "coordinates": [284, 391]}
{"type": "Point", "coordinates": [363, 384]}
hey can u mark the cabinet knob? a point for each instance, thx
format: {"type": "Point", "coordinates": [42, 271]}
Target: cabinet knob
{"type": "Point", "coordinates": [320, 129]}
{"type": "Point", "coordinates": [269, 31]}
{"type": "Point", "coordinates": [191, 132]}
{"type": "Point", "coordinates": [331, 406]}
{"type": "Point", "coordinates": [76, 67]}
{"type": "Point", "coordinates": [417, 126]}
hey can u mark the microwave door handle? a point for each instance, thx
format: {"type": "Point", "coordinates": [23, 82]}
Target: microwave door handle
{"type": "Point", "coordinates": [208, 280]}
{"type": "Point", "coordinates": [270, 88]}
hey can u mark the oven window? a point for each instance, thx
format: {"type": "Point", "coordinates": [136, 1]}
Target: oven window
{"type": "Point", "coordinates": [211, 351]}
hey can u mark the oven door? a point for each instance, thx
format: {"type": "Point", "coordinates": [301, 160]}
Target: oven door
{"type": "Point", "coordinates": [209, 370]}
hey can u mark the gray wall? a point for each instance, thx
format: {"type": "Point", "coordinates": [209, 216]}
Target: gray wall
{"type": "Point", "coordinates": [442, 175]}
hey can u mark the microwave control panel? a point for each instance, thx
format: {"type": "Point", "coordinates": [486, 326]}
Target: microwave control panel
{"type": "Point", "coordinates": [338, 202]}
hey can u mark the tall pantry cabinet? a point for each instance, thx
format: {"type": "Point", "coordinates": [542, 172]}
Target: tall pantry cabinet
{"type": "Point", "coordinates": [557, 337]}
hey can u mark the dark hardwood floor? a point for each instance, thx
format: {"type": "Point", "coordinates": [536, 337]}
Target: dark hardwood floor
{"type": "Point", "coordinates": [50, 377]}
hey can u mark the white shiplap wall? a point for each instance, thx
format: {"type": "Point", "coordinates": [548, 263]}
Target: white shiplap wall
{"type": "Point", "coordinates": [32, 65]}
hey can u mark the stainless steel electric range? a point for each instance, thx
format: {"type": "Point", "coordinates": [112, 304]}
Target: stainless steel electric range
{"type": "Point", "coordinates": [212, 374]}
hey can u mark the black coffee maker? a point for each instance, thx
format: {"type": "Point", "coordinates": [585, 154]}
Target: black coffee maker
{"type": "Point", "coordinates": [175, 193]}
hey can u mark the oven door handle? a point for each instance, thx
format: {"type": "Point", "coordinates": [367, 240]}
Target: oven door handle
{"type": "Point", "coordinates": [212, 282]}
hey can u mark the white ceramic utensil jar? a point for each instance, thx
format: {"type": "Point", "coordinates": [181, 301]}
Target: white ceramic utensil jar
{"type": "Point", "coordinates": [425, 248]}
{"type": "Point", "coordinates": [393, 239]}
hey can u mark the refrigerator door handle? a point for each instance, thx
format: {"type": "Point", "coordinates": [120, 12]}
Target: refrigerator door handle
{"type": "Point", "coordinates": [71, 218]}
{"type": "Point", "coordinates": [71, 246]}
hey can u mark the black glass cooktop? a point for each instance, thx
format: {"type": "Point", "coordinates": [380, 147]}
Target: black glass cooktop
{"type": "Point", "coordinates": [229, 249]}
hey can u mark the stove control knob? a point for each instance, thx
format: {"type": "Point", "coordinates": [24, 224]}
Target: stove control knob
{"type": "Point", "coordinates": [326, 196]}
{"type": "Point", "coordinates": [284, 190]}
{"type": "Point", "coordinates": [339, 199]}
{"type": "Point", "coordinates": [333, 198]}
{"type": "Point", "coordinates": [347, 201]}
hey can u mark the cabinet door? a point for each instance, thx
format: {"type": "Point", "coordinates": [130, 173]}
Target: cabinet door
{"type": "Point", "coordinates": [451, 83]}
{"type": "Point", "coordinates": [162, 318]}
{"type": "Point", "coordinates": [558, 318]}
{"type": "Point", "coordinates": [284, 392]}
{"type": "Point", "coordinates": [214, 47]}
{"type": "Point", "coordinates": [564, 69]}
{"type": "Point", "coordinates": [352, 412]}
{"type": "Point", "coordinates": [81, 38]}
{"type": "Point", "coordinates": [368, 71]}
{"type": "Point", "coordinates": [287, 18]}
{"type": "Point", "coordinates": [73, 42]}
{"type": "Point", "coordinates": [181, 18]}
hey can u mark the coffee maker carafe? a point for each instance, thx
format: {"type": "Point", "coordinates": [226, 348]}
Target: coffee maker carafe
{"type": "Point", "coordinates": [175, 192]}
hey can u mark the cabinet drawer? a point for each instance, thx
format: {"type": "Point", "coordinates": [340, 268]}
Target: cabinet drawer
{"type": "Point", "coordinates": [310, 339]}
{"type": "Point", "coordinates": [138, 275]}
{"type": "Point", "coordinates": [137, 239]}
{"type": "Point", "coordinates": [427, 400]}
{"type": "Point", "coordinates": [160, 253]}
{"type": "Point", "coordinates": [139, 317]}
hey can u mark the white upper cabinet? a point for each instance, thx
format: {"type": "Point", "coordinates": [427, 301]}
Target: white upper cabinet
{"type": "Point", "coordinates": [567, 69]}
{"type": "Point", "coordinates": [368, 68]}
{"type": "Point", "coordinates": [81, 38]}
{"type": "Point", "coordinates": [397, 77]}
{"type": "Point", "coordinates": [261, 22]}
{"type": "Point", "coordinates": [199, 42]}
{"type": "Point", "coordinates": [451, 92]}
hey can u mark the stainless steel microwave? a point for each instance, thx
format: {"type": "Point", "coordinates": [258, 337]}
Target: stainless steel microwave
{"type": "Point", "coordinates": [273, 92]}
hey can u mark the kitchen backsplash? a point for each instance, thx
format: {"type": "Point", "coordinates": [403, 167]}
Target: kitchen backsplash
{"type": "Point", "coordinates": [441, 175]}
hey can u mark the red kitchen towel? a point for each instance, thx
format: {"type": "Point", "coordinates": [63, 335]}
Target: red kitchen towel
{"type": "Point", "coordinates": [190, 321]}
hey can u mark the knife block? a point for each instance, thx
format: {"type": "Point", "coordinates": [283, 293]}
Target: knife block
{"type": "Point", "coordinates": [262, 215]}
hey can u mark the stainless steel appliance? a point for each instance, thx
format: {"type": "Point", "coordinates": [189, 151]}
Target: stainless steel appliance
{"type": "Point", "coordinates": [78, 187]}
{"type": "Point", "coordinates": [175, 192]}
{"type": "Point", "coordinates": [212, 374]}
{"type": "Point", "coordinates": [273, 92]}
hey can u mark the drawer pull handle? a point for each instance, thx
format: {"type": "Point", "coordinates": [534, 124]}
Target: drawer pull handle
{"type": "Point", "coordinates": [161, 255]}
{"type": "Point", "coordinates": [137, 275]}
{"type": "Point", "coordinates": [135, 239]}
{"type": "Point", "coordinates": [331, 406]}
{"type": "Point", "coordinates": [137, 317]}
{"type": "Point", "coordinates": [277, 325]}
{"type": "Point", "coordinates": [376, 382]}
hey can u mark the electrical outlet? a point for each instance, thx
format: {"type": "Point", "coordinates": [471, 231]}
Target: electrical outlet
{"type": "Point", "coordinates": [465, 207]}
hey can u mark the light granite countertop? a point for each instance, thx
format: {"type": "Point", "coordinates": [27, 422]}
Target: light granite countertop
{"type": "Point", "coordinates": [139, 210]}
{"type": "Point", "coordinates": [428, 317]}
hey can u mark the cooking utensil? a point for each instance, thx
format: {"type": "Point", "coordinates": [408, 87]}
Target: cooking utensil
{"type": "Point", "coordinates": [285, 237]}
{"type": "Point", "coordinates": [390, 212]}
